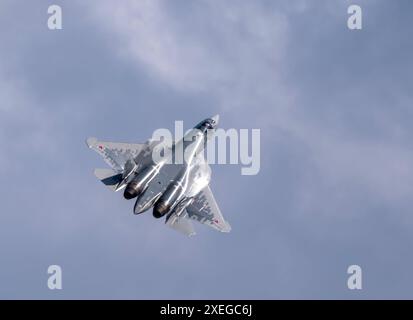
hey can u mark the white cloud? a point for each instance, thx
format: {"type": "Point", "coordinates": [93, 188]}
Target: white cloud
{"type": "Point", "coordinates": [25, 127]}
{"type": "Point", "coordinates": [209, 46]}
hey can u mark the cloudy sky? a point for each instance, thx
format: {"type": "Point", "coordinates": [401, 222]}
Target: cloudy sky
{"type": "Point", "coordinates": [334, 107]}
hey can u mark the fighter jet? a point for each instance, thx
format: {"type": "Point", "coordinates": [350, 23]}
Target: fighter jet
{"type": "Point", "coordinates": [176, 190]}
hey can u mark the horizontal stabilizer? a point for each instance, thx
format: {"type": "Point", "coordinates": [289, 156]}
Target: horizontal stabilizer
{"type": "Point", "coordinates": [109, 177]}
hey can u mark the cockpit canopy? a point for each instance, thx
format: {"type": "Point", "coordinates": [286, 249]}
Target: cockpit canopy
{"type": "Point", "coordinates": [206, 124]}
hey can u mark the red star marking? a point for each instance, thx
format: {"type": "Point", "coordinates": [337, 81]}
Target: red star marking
{"type": "Point", "coordinates": [100, 147]}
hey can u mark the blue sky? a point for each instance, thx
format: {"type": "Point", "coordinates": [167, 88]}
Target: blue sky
{"type": "Point", "coordinates": [334, 108]}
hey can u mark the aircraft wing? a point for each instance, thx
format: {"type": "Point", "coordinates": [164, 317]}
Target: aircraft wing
{"type": "Point", "coordinates": [205, 210]}
{"type": "Point", "coordinates": [181, 224]}
{"type": "Point", "coordinates": [115, 154]}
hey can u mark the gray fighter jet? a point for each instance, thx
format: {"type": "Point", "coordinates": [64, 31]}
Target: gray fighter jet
{"type": "Point", "coordinates": [178, 190]}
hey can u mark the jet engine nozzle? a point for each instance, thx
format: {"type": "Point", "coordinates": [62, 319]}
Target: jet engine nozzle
{"type": "Point", "coordinates": [141, 181]}
{"type": "Point", "coordinates": [172, 195]}
{"type": "Point", "coordinates": [160, 209]}
{"type": "Point", "coordinates": [132, 190]}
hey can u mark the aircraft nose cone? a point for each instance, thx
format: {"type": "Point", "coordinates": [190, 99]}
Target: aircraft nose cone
{"type": "Point", "coordinates": [216, 119]}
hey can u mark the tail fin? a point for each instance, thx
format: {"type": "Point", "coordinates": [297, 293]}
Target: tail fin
{"type": "Point", "coordinates": [109, 177]}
